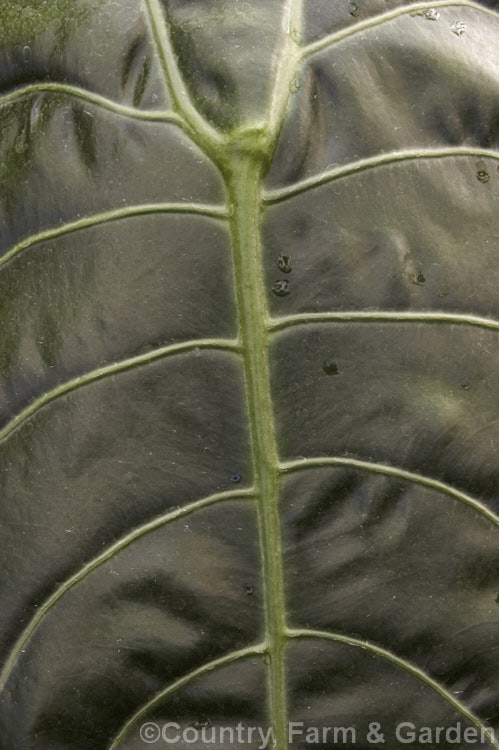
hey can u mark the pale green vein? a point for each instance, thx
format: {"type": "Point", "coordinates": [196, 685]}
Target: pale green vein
{"type": "Point", "coordinates": [245, 194]}
{"type": "Point", "coordinates": [382, 316]}
{"type": "Point", "coordinates": [287, 61]}
{"type": "Point", "coordinates": [223, 661]}
{"type": "Point", "coordinates": [118, 214]}
{"type": "Point", "coordinates": [245, 189]}
{"type": "Point", "coordinates": [373, 162]}
{"type": "Point", "coordinates": [113, 369]}
{"type": "Point", "coordinates": [200, 129]}
{"type": "Point", "coordinates": [357, 28]}
{"type": "Point", "coordinates": [392, 471]}
{"type": "Point", "coordinates": [104, 556]}
{"type": "Point", "coordinates": [406, 666]}
{"type": "Point", "coordinates": [149, 115]}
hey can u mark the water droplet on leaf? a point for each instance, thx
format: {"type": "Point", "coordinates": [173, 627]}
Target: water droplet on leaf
{"type": "Point", "coordinates": [458, 28]}
{"type": "Point", "coordinates": [235, 476]}
{"type": "Point", "coordinates": [281, 287]}
{"type": "Point", "coordinates": [26, 53]}
{"type": "Point", "coordinates": [431, 14]}
{"type": "Point", "coordinates": [330, 367]}
{"type": "Point", "coordinates": [482, 175]}
{"type": "Point", "coordinates": [466, 386]}
{"type": "Point", "coordinates": [284, 263]}
{"type": "Point", "coordinates": [353, 9]}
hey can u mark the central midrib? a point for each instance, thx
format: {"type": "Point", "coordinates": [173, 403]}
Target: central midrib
{"type": "Point", "coordinates": [243, 158]}
{"type": "Point", "coordinates": [245, 190]}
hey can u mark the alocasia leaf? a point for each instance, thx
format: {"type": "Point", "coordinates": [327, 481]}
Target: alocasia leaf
{"type": "Point", "coordinates": [248, 370]}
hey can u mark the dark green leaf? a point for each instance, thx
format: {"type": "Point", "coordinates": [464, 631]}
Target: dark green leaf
{"type": "Point", "coordinates": [249, 415]}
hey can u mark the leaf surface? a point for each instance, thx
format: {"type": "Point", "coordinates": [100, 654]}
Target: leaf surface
{"type": "Point", "coordinates": [248, 369]}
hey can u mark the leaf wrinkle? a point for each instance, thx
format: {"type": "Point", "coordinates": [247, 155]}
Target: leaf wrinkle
{"type": "Point", "coordinates": [404, 664]}
{"type": "Point", "coordinates": [108, 370]}
{"type": "Point", "coordinates": [392, 471]}
{"type": "Point", "coordinates": [106, 555]}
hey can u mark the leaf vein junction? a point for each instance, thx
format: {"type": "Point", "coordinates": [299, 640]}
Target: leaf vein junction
{"type": "Point", "coordinates": [382, 316]}
{"type": "Point", "coordinates": [372, 162]}
{"type": "Point", "coordinates": [200, 130]}
{"type": "Point", "coordinates": [258, 650]}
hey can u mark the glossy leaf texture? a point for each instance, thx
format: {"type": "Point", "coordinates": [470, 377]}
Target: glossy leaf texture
{"type": "Point", "coordinates": [248, 368]}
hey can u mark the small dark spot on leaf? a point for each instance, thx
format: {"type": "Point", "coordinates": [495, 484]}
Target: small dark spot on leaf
{"type": "Point", "coordinates": [482, 175]}
{"type": "Point", "coordinates": [418, 278]}
{"type": "Point", "coordinates": [466, 386]}
{"type": "Point", "coordinates": [353, 9]}
{"type": "Point", "coordinates": [235, 476]}
{"type": "Point", "coordinates": [284, 263]}
{"type": "Point", "coordinates": [281, 287]}
{"type": "Point", "coordinates": [330, 367]}
{"type": "Point", "coordinates": [497, 599]}
{"type": "Point", "coordinates": [249, 589]}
